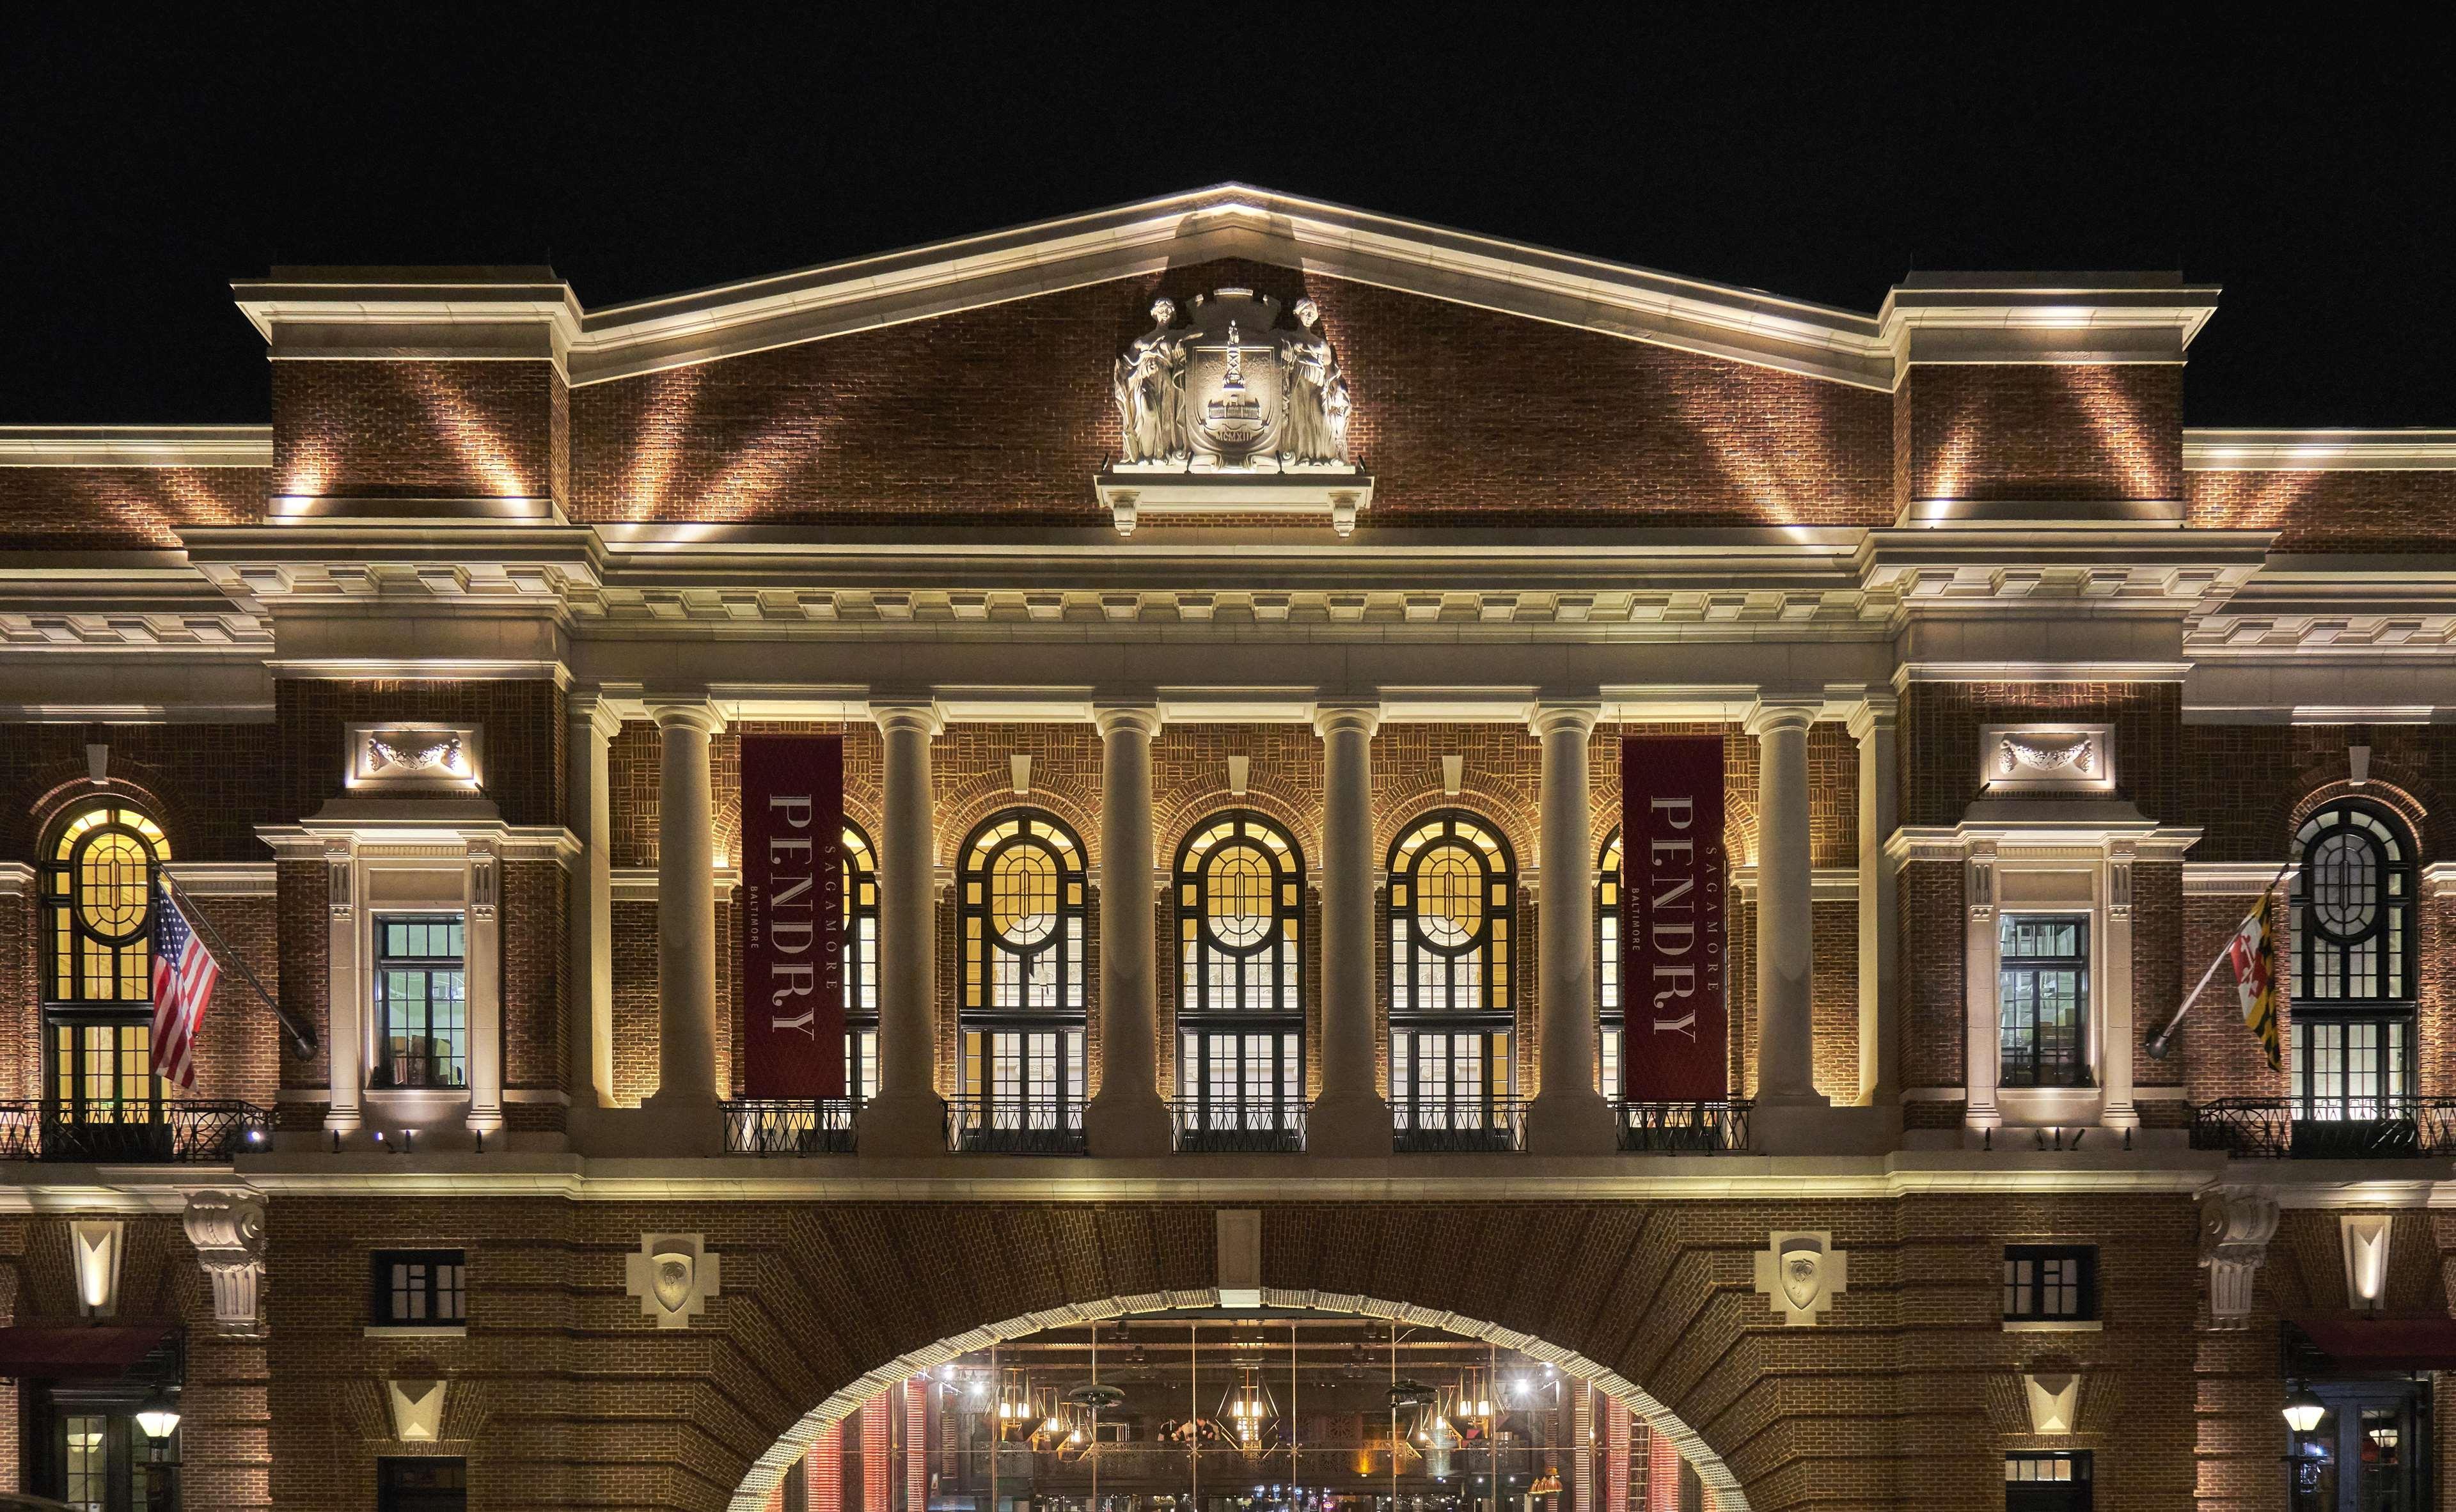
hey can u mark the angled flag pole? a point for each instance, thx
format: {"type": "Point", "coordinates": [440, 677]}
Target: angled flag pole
{"type": "Point", "coordinates": [302, 1038]}
{"type": "Point", "coordinates": [2158, 1044]}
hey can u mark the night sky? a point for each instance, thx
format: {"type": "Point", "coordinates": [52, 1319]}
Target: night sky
{"type": "Point", "coordinates": [142, 169]}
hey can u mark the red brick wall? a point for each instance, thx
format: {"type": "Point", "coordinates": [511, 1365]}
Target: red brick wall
{"type": "Point", "coordinates": [522, 736]}
{"type": "Point", "coordinates": [122, 509]}
{"type": "Point", "coordinates": [2331, 511]}
{"type": "Point", "coordinates": [2048, 432]}
{"type": "Point", "coordinates": [1939, 739]}
{"type": "Point", "coordinates": [536, 985]}
{"type": "Point", "coordinates": [2243, 782]}
{"type": "Point", "coordinates": [1003, 414]}
{"type": "Point", "coordinates": [208, 786]}
{"type": "Point", "coordinates": [417, 429]}
{"type": "Point", "coordinates": [1934, 1022]}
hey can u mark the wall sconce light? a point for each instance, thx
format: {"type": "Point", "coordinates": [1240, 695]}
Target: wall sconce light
{"type": "Point", "coordinates": [96, 1245]}
{"type": "Point", "coordinates": [416, 1410]}
{"type": "Point", "coordinates": [2366, 1240]}
{"type": "Point", "coordinates": [2054, 1401]}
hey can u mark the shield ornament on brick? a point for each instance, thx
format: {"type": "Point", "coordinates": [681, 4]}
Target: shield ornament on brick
{"type": "Point", "coordinates": [1800, 1272]}
{"type": "Point", "coordinates": [674, 1276]}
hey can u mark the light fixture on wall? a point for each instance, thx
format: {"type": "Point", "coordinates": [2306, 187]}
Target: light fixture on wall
{"type": "Point", "coordinates": [97, 1246]}
{"type": "Point", "coordinates": [2365, 1240]}
{"type": "Point", "coordinates": [160, 1417]}
{"type": "Point", "coordinates": [2305, 1410]}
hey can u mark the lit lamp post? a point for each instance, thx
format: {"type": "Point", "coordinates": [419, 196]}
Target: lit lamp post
{"type": "Point", "coordinates": [2303, 1411]}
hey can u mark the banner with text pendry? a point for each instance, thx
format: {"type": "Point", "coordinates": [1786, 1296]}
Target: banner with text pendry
{"type": "Point", "coordinates": [1675, 957]}
{"type": "Point", "coordinates": [792, 916]}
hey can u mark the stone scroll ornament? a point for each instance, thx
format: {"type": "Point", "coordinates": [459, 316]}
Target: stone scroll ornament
{"type": "Point", "coordinates": [1232, 391]}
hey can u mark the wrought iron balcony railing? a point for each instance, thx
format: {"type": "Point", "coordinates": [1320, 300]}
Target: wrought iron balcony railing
{"type": "Point", "coordinates": [988, 1123]}
{"type": "Point", "coordinates": [1459, 1128]}
{"type": "Point", "coordinates": [1682, 1127]}
{"type": "Point", "coordinates": [789, 1125]}
{"type": "Point", "coordinates": [2327, 1129]}
{"type": "Point", "coordinates": [183, 1131]}
{"type": "Point", "coordinates": [1224, 1128]}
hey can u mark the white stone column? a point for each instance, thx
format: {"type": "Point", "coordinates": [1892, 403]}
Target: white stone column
{"type": "Point", "coordinates": [1872, 723]}
{"type": "Point", "coordinates": [1568, 1115]}
{"type": "Point", "coordinates": [686, 945]}
{"type": "Point", "coordinates": [1983, 1027]}
{"type": "Point", "coordinates": [2117, 1106]}
{"type": "Point", "coordinates": [1349, 1118]}
{"type": "Point", "coordinates": [345, 1002]}
{"type": "Point", "coordinates": [1128, 1118]}
{"type": "Point", "coordinates": [1786, 917]}
{"type": "Point", "coordinates": [589, 740]}
{"type": "Point", "coordinates": [908, 1118]}
{"type": "Point", "coordinates": [482, 908]}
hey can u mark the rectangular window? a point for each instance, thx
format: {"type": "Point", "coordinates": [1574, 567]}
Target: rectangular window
{"type": "Point", "coordinates": [86, 1464]}
{"type": "Point", "coordinates": [2042, 999]}
{"type": "Point", "coordinates": [103, 1073]}
{"type": "Point", "coordinates": [2043, 1281]}
{"type": "Point", "coordinates": [2047, 1482]}
{"type": "Point", "coordinates": [421, 1001]}
{"type": "Point", "coordinates": [2352, 1068]}
{"type": "Point", "coordinates": [428, 1483]}
{"type": "Point", "coordinates": [417, 1288]}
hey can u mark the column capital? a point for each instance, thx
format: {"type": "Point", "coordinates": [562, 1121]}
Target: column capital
{"type": "Point", "coordinates": [1127, 714]}
{"type": "Point", "coordinates": [592, 707]}
{"type": "Point", "coordinates": [924, 714]}
{"type": "Point", "coordinates": [1333, 715]}
{"type": "Point", "coordinates": [1875, 713]}
{"type": "Point", "coordinates": [1775, 716]}
{"type": "Point", "coordinates": [687, 713]}
{"type": "Point", "coordinates": [1547, 715]}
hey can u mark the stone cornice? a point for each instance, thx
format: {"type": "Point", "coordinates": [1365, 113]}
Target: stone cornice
{"type": "Point", "coordinates": [2272, 450]}
{"type": "Point", "coordinates": [137, 446]}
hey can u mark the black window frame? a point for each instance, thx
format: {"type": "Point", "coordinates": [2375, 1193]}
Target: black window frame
{"type": "Point", "coordinates": [385, 1070]}
{"type": "Point", "coordinates": [379, 1287]}
{"type": "Point", "coordinates": [2322, 970]}
{"type": "Point", "coordinates": [394, 1494]}
{"type": "Point", "coordinates": [2075, 1494]}
{"type": "Point", "coordinates": [2032, 1071]}
{"type": "Point", "coordinates": [2022, 1297]}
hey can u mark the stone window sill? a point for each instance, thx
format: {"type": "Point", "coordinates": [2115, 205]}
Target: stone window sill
{"type": "Point", "coordinates": [2053, 1325]}
{"type": "Point", "coordinates": [417, 1330]}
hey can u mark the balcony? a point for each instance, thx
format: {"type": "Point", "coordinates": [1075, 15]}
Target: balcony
{"type": "Point", "coordinates": [988, 1124]}
{"type": "Point", "coordinates": [2355, 1129]}
{"type": "Point", "coordinates": [1498, 1124]}
{"type": "Point", "coordinates": [789, 1125]}
{"type": "Point", "coordinates": [186, 1131]}
{"type": "Point", "coordinates": [1219, 1129]}
{"type": "Point", "coordinates": [1682, 1128]}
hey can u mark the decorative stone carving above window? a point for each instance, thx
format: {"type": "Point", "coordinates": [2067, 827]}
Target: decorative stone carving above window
{"type": "Point", "coordinates": [415, 758]}
{"type": "Point", "coordinates": [2046, 758]}
{"type": "Point", "coordinates": [1230, 412]}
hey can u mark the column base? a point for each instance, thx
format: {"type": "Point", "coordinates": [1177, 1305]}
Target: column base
{"type": "Point", "coordinates": [1578, 1122]}
{"type": "Point", "coordinates": [1812, 1126]}
{"type": "Point", "coordinates": [901, 1126]}
{"type": "Point", "coordinates": [677, 1127]}
{"type": "Point", "coordinates": [1128, 1126]}
{"type": "Point", "coordinates": [1353, 1124]}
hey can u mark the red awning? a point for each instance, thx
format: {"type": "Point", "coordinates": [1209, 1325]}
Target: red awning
{"type": "Point", "coordinates": [56, 1352]}
{"type": "Point", "coordinates": [2384, 1343]}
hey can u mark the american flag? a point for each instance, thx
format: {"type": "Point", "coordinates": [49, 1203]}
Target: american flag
{"type": "Point", "coordinates": [184, 972]}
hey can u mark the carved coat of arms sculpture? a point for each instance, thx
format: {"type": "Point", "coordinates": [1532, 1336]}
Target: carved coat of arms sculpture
{"type": "Point", "coordinates": [1230, 410]}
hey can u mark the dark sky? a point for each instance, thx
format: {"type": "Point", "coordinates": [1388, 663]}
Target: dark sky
{"type": "Point", "coordinates": [142, 169]}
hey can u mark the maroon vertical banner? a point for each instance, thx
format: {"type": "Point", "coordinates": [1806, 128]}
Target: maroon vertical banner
{"type": "Point", "coordinates": [792, 916]}
{"type": "Point", "coordinates": [1675, 958]}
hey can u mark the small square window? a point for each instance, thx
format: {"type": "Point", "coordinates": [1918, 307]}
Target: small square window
{"type": "Point", "coordinates": [2050, 1282]}
{"type": "Point", "coordinates": [417, 1289]}
{"type": "Point", "coordinates": [2048, 1483]}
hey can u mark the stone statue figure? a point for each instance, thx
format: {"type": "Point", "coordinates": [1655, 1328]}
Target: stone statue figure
{"type": "Point", "coordinates": [1150, 379]}
{"type": "Point", "coordinates": [1315, 429]}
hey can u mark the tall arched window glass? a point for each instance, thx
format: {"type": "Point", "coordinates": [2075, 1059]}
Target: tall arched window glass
{"type": "Point", "coordinates": [860, 964]}
{"type": "Point", "coordinates": [1023, 906]}
{"type": "Point", "coordinates": [2352, 944]}
{"type": "Point", "coordinates": [98, 890]}
{"type": "Point", "coordinates": [1453, 917]}
{"type": "Point", "coordinates": [1239, 889]}
{"type": "Point", "coordinates": [1607, 1034]}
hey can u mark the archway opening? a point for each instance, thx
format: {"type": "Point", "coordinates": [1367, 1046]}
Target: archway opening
{"type": "Point", "coordinates": [1294, 1402]}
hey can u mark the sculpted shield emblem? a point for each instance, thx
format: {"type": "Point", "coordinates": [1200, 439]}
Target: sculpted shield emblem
{"type": "Point", "coordinates": [672, 1278]}
{"type": "Point", "coordinates": [1803, 1274]}
{"type": "Point", "coordinates": [1800, 1272]}
{"type": "Point", "coordinates": [1234, 380]}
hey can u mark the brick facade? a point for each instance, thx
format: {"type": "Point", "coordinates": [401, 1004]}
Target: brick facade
{"type": "Point", "coordinates": [420, 430]}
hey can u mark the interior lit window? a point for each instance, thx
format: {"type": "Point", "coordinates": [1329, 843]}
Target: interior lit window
{"type": "Point", "coordinates": [421, 1001]}
{"type": "Point", "coordinates": [860, 964]}
{"type": "Point", "coordinates": [1240, 896]}
{"type": "Point", "coordinates": [1608, 907]}
{"type": "Point", "coordinates": [1453, 908]}
{"type": "Point", "coordinates": [1023, 905]}
{"type": "Point", "coordinates": [2351, 943]}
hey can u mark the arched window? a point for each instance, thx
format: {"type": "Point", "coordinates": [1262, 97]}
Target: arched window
{"type": "Point", "coordinates": [1453, 910]}
{"type": "Point", "coordinates": [98, 902]}
{"type": "Point", "coordinates": [1608, 1036]}
{"type": "Point", "coordinates": [1022, 910]}
{"type": "Point", "coordinates": [1240, 997]}
{"type": "Point", "coordinates": [2353, 945]}
{"type": "Point", "coordinates": [860, 964]}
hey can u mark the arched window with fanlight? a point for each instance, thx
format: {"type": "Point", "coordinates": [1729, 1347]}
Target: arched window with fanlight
{"type": "Point", "coordinates": [2353, 947]}
{"type": "Point", "coordinates": [1022, 913]}
{"type": "Point", "coordinates": [98, 893]}
{"type": "Point", "coordinates": [1608, 1031]}
{"type": "Point", "coordinates": [1453, 915]}
{"type": "Point", "coordinates": [1239, 891]}
{"type": "Point", "coordinates": [860, 964]}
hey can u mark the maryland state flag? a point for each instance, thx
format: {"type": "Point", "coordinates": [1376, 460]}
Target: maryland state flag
{"type": "Point", "coordinates": [2253, 950]}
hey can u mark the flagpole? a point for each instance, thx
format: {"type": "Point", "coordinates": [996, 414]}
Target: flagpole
{"type": "Point", "coordinates": [2163, 1041]}
{"type": "Point", "coordinates": [302, 1038]}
